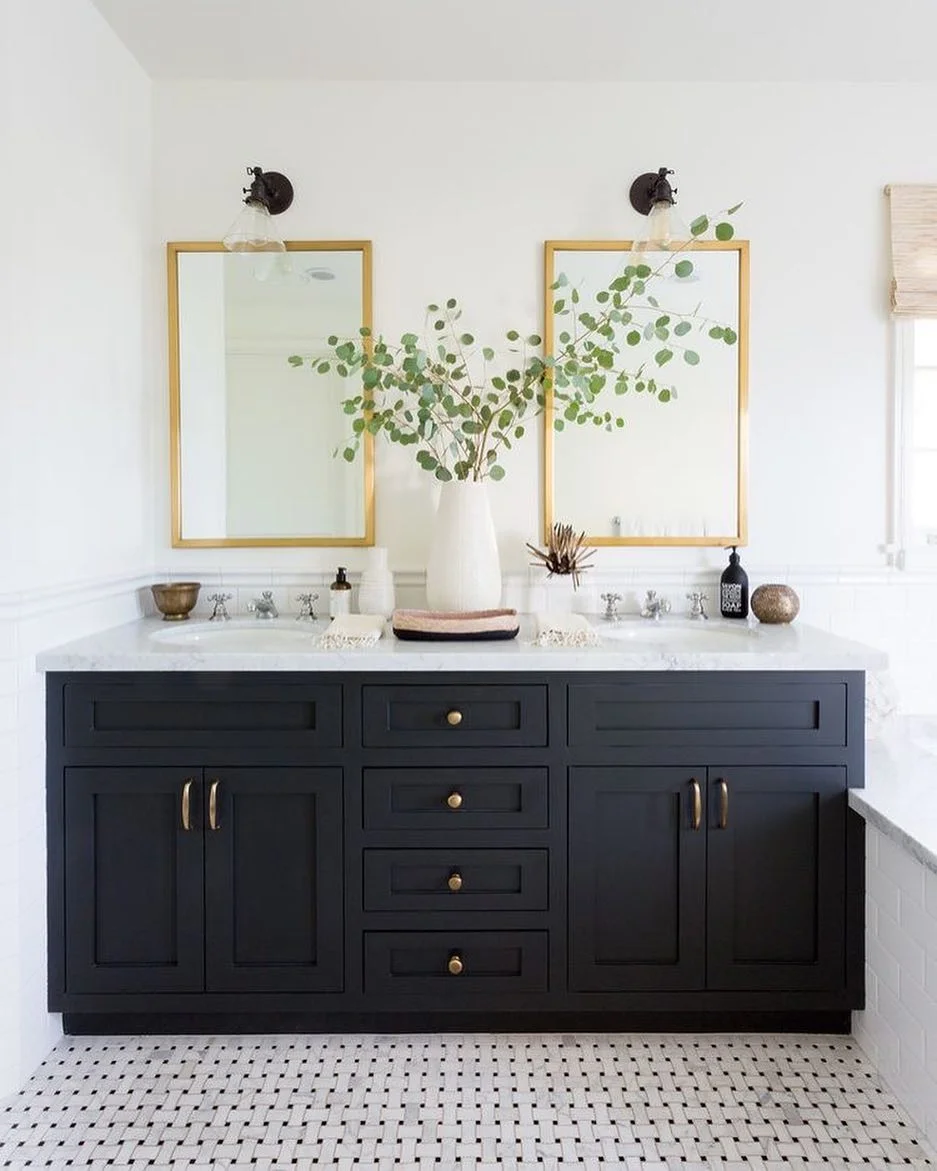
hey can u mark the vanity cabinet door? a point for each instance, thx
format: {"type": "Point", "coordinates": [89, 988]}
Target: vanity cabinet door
{"type": "Point", "coordinates": [273, 879]}
{"type": "Point", "coordinates": [777, 878]}
{"type": "Point", "coordinates": [637, 890]}
{"type": "Point", "coordinates": [133, 877]}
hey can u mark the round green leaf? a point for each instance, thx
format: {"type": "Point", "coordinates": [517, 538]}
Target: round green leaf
{"type": "Point", "coordinates": [724, 231]}
{"type": "Point", "coordinates": [497, 472]}
{"type": "Point", "coordinates": [691, 357]}
{"type": "Point", "coordinates": [683, 268]}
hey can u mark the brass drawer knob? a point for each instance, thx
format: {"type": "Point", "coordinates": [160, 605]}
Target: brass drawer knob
{"type": "Point", "coordinates": [455, 881]}
{"type": "Point", "coordinates": [454, 800]}
{"type": "Point", "coordinates": [453, 719]}
{"type": "Point", "coordinates": [455, 965]}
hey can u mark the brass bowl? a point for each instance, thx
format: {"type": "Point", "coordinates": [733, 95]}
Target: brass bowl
{"type": "Point", "coordinates": [175, 599]}
{"type": "Point", "coordinates": [775, 604]}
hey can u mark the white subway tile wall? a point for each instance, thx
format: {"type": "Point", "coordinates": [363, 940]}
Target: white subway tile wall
{"type": "Point", "coordinates": [898, 1029]}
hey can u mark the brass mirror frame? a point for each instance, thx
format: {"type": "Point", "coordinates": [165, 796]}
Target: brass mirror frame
{"type": "Point", "coordinates": [740, 538]}
{"type": "Point", "coordinates": [173, 248]}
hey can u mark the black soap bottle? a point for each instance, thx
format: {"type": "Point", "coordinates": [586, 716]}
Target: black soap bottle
{"type": "Point", "coordinates": [733, 589]}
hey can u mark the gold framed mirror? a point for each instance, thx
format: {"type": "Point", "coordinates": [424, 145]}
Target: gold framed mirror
{"type": "Point", "coordinates": [252, 437]}
{"type": "Point", "coordinates": [676, 473]}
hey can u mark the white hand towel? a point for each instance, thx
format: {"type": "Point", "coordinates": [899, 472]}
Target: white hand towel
{"type": "Point", "coordinates": [563, 630]}
{"type": "Point", "coordinates": [352, 630]}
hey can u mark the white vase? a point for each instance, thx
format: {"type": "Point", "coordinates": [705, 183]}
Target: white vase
{"type": "Point", "coordinates": [463, 571]}
{"type": "Point", "coordinates": [376, 589]}
{"type": "Point", "coordinates": [560, 597]}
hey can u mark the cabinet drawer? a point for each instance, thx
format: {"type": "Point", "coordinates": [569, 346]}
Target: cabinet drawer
{"type": "Point", "coordinates": [429, 962]}
{"type": "Point", "coordinates": [455, 880]}
{"type": "Point", "coordinates": [455, 798]}
{"type": "Point", "coordinates": [185, 713]}
{"type": "Point", "coordinates": [698, 714]}
{"type": "Point", "coordinates": [455, 716]}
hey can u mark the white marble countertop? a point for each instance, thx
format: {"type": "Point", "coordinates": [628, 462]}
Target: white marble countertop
{"type": "Point", "coordinates": [286, 645]}
{"type": "Point", "coordinates": [900, 794]}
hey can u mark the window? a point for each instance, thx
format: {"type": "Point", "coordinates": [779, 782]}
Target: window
{"type": "Point", "coordinates": [916, 441]}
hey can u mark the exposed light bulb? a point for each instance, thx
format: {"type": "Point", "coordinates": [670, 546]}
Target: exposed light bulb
{"type": "Point", "coordinates": [253, 231]}
{"type": "Point", "coordinates": [666, 231]}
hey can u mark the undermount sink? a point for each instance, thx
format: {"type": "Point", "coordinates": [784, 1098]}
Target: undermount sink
{"type": "Point", "coordinates": [255, 635]}
{"type": "Point", "coordinates": [679, 634]}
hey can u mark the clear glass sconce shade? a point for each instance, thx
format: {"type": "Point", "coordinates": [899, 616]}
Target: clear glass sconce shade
{"type": "Point", "coordinates": [665, 231]}
{"type": "Point", "coordinates": [253, 231]}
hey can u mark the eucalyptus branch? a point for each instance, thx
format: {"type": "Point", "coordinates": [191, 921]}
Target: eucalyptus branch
{"type": "Point", "coordinates": [448, 398]}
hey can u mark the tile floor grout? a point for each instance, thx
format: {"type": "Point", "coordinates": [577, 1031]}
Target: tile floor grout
{"type": "Point", "coordinates": [465, 1102]}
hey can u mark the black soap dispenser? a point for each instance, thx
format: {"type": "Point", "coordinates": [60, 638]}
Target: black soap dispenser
{"type": "Point", "coordinates": [733, 589]}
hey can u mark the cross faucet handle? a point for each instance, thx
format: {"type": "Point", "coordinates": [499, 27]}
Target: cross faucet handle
{"type": "Point", "coordinates": [219, 610]}
{"type": "Point", "coordinates": [611, 606]}
{"type": "Point", "coordinates": [697, 600]}
{"type": "Point", "coordinates": [307, 610]}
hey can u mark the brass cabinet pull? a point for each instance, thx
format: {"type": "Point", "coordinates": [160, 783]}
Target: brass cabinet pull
{"type": "Point", "coordinates": [213, 806]}
{"type": "Point", "coordinates": [453, 719]}
{"type": "Point", "coordinates": [187, 805]}
{"type": "Point", "coordinates": [455, 881]}
{"type": "Point", "coordinates": [455, 965]}
{"type": "Point", "coordinates": [454, 800]}
{"type": "Point", "coordinates": [696, 818]}
{"type": "Point", "coordinates": [723, 804]}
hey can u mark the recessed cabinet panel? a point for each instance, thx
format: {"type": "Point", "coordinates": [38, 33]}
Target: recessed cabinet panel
{"type": "Point", "coordinates": [670, 714]}
{"type": "Point", "coordinates": [273, 880]}
{"type": "Point", "coordinates": [776, 877]}
{"type": "Point", "coordinates": [447, 966]}
{"type": "Point", "coordinates": [455, 798]}
{"type": "Point", "coordinates": [133, 875]}
{"type": "Point", "coordinates": [196, 713]}
{"type": "Point", "coordinates": [457, 717]}
{"type": "Point", "coordinates": [637, 847]}
{"type": "Point", "coordinates": [454, 880]}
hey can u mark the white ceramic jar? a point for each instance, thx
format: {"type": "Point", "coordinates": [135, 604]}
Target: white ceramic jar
{"type": "Point", "coordinates": [376, 589]}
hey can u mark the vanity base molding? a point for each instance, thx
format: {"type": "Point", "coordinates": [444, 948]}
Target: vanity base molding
{"type": "Point", "coordinates": [181, 1024]}
{"type": "Point", "coordinates": [301, 851]}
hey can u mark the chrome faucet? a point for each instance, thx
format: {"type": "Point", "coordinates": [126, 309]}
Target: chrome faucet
{"type": "Point", "coordinates": [611, 607]}
{"type": "Point", "coordinates": [264, 606]}
{"type": "Point", "coordinates": [654, 606]}
{"type": "Point", "coordinates": [219, 611]}
{"type": "Point", "coordinates": [697, 600]}
{"type": "Point", "coordinates": [307, 607]}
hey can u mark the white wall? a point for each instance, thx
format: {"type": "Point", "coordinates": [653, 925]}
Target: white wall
{"type": "Point", "coordinates": [78, 325]}
{"type": "Point", "coordinates": [459, 186]}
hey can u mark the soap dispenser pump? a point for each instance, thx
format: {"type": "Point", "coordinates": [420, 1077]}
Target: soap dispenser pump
{"type": "Point", "coordinates": [340, 594]}
{"type": "Point", "coordinates": [733, 589]}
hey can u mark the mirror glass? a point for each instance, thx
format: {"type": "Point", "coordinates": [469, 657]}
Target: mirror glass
{"type": "Point", "coordinates": [675, 473]}
{"type": "Point", "coordinates": [253, 437]}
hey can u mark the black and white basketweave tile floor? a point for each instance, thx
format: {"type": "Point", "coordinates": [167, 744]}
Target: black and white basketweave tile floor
{"type": "Point", "coordinates": [515, 1103]}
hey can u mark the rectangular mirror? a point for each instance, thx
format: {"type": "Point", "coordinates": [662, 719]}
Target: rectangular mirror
{"type": "Point", "coordinates": [252, 437]}
{"type": "Point", "coordinates": [676, 473]}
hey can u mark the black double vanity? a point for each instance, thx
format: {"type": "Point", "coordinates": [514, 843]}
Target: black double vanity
{"type": "Point", "coordinates": [429, 849]}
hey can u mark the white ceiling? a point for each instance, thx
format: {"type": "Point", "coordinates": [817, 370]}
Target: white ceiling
{"type": "Point", "coordinates": [530, 40]}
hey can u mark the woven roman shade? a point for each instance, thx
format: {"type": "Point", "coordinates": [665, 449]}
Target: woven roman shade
{"type": "Point", "coordinates": [913, 249]}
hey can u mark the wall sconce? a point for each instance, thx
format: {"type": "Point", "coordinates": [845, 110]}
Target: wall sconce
{"type": "Point", "coordinates": [269, 194]}
{"type": "Point", "coordinates": [651, 195]}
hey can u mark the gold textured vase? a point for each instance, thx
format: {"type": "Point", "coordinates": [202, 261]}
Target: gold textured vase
{"type": "Point", "coordinates": [175, 599]}
{"type": "Point", "coordinates": [775, 604]}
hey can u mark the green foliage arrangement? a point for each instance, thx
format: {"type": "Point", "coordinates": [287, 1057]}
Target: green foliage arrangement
{"type": "Point", "coordinates": [461, 408]}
